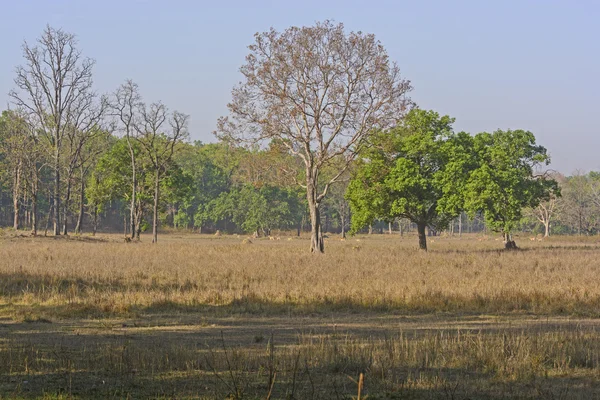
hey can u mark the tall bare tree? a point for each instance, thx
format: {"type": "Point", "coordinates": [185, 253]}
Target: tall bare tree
{"type": "Point", "coordinates": [159, 133]}
{"type": "Point", "coordinates": [125, 107]}
{"type": "Point", "coordinates": [52, 86]}
{"type": "Point", "coordinates": [86, 125]}
{"type": "Point", "coordinates": [319, 91]}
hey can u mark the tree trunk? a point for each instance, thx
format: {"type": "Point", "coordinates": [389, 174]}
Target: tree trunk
{"type": "Point", "coordinates": [460, 225]}
{"type": "Point", "coordinates": [370, 229]}
{"type": "Point", "coordinates": [66, 202]}
{"type": "Point", "coordinates": [301, 226]}
{"type": "Point", "coordinates": [317, 244]}
{"type": "Point", "coordinates": [138, 221]}
{"type": "Point", "coordinates": [56, 204]}
{"type": "Point", "coordinates": [390, 228]}
{"type": "Point", "coordinates": [34, 208]}
{"type": "Point", "coordinates": [95, 221]}
{"type": "Point", "coordinates": [422, 236]}
{"type": "Point", "coordinates": [509, 243]}
{"type": "Point", "coordinates": [16, 187]}
{"type": "Point", "coordinates": [547, 228]}
{"type": "Point", "coordinates": [155, 210]}
{"type": "Point", "coordinates": [132, 216]}
{"type": "Point", "coordinates": [50, 213]}
{"type": "Point", "coordinates": [81, 201]}
{"type": "Point", "coordinates": [343, 222]}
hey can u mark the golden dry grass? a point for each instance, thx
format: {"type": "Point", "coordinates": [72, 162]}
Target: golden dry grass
{"type": "Point", "coordinates": [195, 316]}
{"type": "Point", "coordinates": [110, 277]}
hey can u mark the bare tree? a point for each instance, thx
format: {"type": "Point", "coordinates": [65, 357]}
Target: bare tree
{"type": "Point", "coordinates": [51, 87]}
{"type": "Point", "coordinates": [319, 91]}
{"type": "Point", "coordinates": [86, 120]}
{"type": "Point", "coordinates": [159, 145]}
{"type": "Point", "coordinates": [126, 108]}
{"type": "Point", "coordinates": [547, 210]}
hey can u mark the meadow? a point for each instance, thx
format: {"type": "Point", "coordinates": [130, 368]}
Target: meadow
{"type": "Point", "coordinates": [199, 316]}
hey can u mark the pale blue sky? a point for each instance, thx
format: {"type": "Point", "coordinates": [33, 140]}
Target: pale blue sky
{"type": "Point", "coordinates": [491, 64]}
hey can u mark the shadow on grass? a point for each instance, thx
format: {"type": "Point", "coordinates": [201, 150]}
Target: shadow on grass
{"type": "Point", "coordinates": [433, 304]}
{"type": "Point", "coordinates": [307, 382]}
{"type": "Point", "coordinates": [33, 296]}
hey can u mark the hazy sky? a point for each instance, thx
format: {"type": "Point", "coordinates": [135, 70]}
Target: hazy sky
{"type": "Point", "coordinates": [490, 64]}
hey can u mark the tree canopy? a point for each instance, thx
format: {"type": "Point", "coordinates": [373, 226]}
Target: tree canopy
{"type": "Point", "coordinates": [416, 170]}
{"type": "Point", "coordinates": [505, 181]}
{"type": "Point", "coordinates": [318, 91]}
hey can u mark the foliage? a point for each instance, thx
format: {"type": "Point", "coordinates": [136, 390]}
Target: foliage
{"type": "Point", "coordinates": [505, 180]}
{"type": "Point", "coordinates": [257, 209]}
{"type": "Point", "coordinates": [415, 171]}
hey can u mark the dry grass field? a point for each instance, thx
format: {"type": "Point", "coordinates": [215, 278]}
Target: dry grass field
{"type": "Point", "coordinates": [199, 316]}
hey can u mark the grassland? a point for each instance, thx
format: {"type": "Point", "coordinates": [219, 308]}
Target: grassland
{"type": "Point", "coordinates": [212, 317]}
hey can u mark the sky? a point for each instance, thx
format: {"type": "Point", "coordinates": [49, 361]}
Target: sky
{"type": "Point", "coordinates": [513, 64]}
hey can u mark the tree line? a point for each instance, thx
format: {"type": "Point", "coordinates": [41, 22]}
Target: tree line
{"type": "Point", "coordinates": [321, 135]}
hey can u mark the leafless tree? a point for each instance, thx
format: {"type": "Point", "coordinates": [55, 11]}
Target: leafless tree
{"type": "Point", "coordinates": [125, 108]}
{"type": "Point", "coordinates": [547, 210]}
{"type": "Point", "coordinates": [87, 117]}
{"type": "Point", "coordinates": [53, 86]}
{"type": "Point", "coordinates": [545, 213]}
{"type": "Point", "coordinates": [319, 91]}
{"type": "Point", "coordinates": [158, 133]}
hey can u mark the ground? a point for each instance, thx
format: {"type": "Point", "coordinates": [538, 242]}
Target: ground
{"type": "Point", "coordinates": [200, 316]}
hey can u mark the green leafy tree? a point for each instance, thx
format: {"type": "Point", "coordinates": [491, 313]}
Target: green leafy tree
{"type": "Point", "coordinates": [257, 209]}
{"type": "Point", "coordinates": [209, 167]}
{"type": "Point", "coordinates": [415, 171]}
{"type": "Point", "coordinates": [504, 182]}
{"type": "Point", "coordinates": [111, 181]}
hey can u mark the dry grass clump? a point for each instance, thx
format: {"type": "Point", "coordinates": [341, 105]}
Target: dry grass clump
{"type": "Point", "coordinates": [386, 275]}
